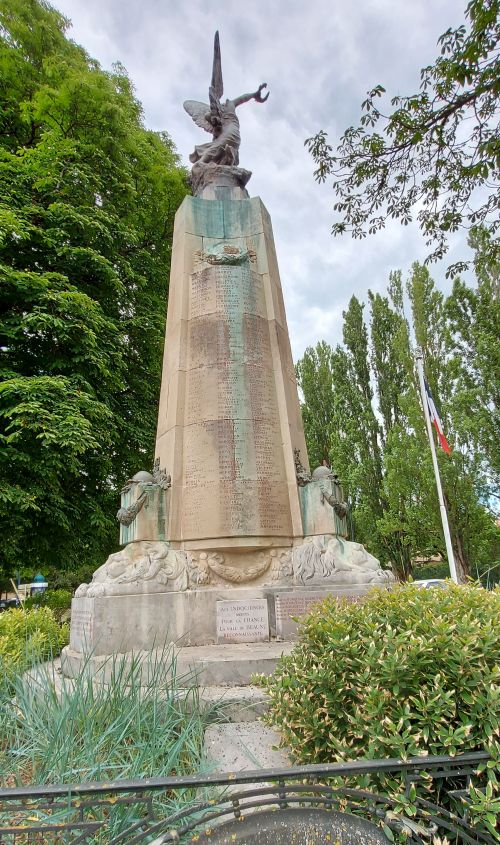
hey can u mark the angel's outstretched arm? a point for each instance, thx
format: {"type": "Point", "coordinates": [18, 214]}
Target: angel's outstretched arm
{"type": "Point", "coordinates": [257, 96]}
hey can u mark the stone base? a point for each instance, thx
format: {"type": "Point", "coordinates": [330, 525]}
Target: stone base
{"type": "Point", "coordinates": [243, 747]}
{"type": "Point", "coordinates": [104, 625]}
{"type": "Point", "coordinates": [244, 703]}
{"type": "Point", "coordinates": [211, 175]}
{"type": "Point", "coordinates": [104, 628]}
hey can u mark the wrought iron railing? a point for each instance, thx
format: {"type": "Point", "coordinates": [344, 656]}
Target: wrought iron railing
{"type": "Point", "coordinates": [169, 810]}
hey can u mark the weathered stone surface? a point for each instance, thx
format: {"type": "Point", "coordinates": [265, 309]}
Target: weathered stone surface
{"type": "Point", "coordinates": [331, 560]}
{"type": "Point", "coordinates": [213, 665]}
{"type": "Point", "coordinates": [141, 567]}
{"type": "Point", "coordinates": [114, 624]}
{"type": "Point", "coordinates": [243, 747]}
{"type": "Point", "coordinates": [235, 568]}
{"type": "Point", "coordinates": [229, 410]}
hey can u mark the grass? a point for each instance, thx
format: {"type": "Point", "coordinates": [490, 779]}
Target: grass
{"type": "Point", "coordinates": [128, 728]}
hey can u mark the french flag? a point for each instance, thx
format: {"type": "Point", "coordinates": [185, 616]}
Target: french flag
{"type": "Point", "coordinates": [435, 420]}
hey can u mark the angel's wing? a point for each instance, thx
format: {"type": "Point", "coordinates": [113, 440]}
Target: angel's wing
{"type": "Point", "coordinates": [198, 111]}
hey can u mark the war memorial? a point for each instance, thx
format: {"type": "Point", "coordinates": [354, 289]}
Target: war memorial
{"type": "Point", "coordinates": [230, 537]}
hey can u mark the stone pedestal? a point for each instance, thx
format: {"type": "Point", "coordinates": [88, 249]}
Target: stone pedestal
{"type": "Point", "coordinates": [194, 619]}
{"type": "Point", "coordinates": [322, 508]}
{"type": "Point", "coordinates": [151, 503]}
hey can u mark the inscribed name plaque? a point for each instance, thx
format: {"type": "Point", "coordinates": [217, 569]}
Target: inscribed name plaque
{"type": "Point", "coordinates": [291, 606]}
{"type": "Point", "coordinates": [82, 624]}
{"type": "Point", "coordinates": [245, 621]}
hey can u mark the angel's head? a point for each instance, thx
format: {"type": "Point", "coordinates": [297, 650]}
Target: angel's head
{"type": "Point", "coordinates": [215, 121]}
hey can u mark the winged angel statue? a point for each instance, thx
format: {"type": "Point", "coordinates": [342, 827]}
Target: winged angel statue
{"type": "Point", "coordinates": [220, 120]}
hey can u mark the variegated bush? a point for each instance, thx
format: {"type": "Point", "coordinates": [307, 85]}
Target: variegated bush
{"type": "Point", "coordinates": [28, 637]}
{"type": "Point", "coordinates": [406, 672]}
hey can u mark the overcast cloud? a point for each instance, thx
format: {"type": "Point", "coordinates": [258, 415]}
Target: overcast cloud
{"type": "Point", "coordinates": [319, 58]}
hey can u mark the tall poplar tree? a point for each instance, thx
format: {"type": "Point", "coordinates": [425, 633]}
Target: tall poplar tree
{"type": "Point", "coordinates": [314, 375]}
{"type": "Point", "coordinates": [378, 441]}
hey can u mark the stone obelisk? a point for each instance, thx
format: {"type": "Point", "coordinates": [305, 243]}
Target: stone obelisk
{"type": "Point", "coordinates": [230, 536]}
{"type": "Point", "coordinates": [229, 418]}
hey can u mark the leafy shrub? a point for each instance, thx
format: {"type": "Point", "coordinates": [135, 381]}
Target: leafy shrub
{"type": "Point", "coordinates": [59, 601]}
{"type": "Point", "coordinates": [407, 672]}
{"type": "Point", "coordinates": [431, 570]}
{"type": "Point", "coordinates": [29, 636]}
{"type": "Point", "coordinates": [58, 577]}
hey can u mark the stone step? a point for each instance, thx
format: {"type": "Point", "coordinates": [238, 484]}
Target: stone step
{"type": "Point", "coordinates": [211, 665]}
{"type": "Point", "coordinates": [230, 665]}
{"type": "Point", "coordinates": [243, 746]}
{"type": "Point", "coordinates": [234, 704]}
{"type": "Point", "coordinates": [231, 704]}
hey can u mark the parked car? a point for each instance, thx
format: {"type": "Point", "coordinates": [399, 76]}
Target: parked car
{"type": "Point", "coordinates": [6, 604]}
{"type": "Point", "coordinates": [440, 583]}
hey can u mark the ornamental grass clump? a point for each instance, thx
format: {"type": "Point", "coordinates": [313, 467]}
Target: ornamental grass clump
{"type": "Point", "coordinates": [136, 725]}
{"type": "Point", "coordinates": [406, 672]}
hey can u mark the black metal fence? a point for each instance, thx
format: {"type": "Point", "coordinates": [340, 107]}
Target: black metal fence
{"type": "Point", "coordinates": [413, 801]}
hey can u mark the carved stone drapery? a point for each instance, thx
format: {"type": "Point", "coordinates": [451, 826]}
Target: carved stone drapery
{"type": "Point", "coordinates": [140, 567]}
{"type": "Point", "coordinates": [323, 560]}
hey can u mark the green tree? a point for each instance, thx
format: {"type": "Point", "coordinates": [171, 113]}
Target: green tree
{"type": "Point", "coordinates": [378, 441]}
{"type": "Point", "coordinates": [314, 377]}
{"type": "Point", "coordinates": [356, 420]}
{"type": "Point", "coordinates": [392, 368]}
{"type": "Point", "coordinates": [429, 155]}
{"type": "Point", "coordinates": [348, 432]}
{"type": "Point", "coordinates": [88, 197]}
{"type": "Point", "coordinates": [387, 330]}
{"type": "Point", "coordinates": [473, 327]}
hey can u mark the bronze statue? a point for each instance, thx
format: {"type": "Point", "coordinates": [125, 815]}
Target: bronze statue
{"type": "Point", "coordinates": [220, 120]}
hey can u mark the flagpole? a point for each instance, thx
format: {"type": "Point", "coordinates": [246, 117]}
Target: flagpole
{"type": "Point", "coordinates": [444, 516]}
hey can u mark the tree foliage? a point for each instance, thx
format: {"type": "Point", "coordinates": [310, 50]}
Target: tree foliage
{"type": "Point", "coordinates": [314, 375]}
{"type": "Point", "coordinates": [473, 326]}
{"type": "Point", "coordinates": [436, 155]}
{"type": "Point", "coordinates": [88, 197]}
{"type": "Point", "coordinates": [371, 413]}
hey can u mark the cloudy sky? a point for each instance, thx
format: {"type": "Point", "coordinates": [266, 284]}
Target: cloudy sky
{"type": "Point", "coordinates": [319, 58]}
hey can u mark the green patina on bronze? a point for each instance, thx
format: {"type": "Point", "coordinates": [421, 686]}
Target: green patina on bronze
{"type": "Point", "coordinates": [223, 218]}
